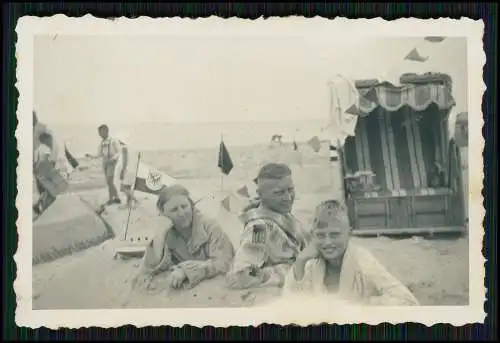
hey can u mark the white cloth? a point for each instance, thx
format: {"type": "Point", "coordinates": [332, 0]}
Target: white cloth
{"type": "Point", "coordinates": [37, 131]}
{"type": "Point", "coordinates": [130, 170]}
{"type": "Point", "coordinates": [362, 280]}
{"type": "Point", "coordinates": [42, 152]}
{"type": "Point", "coordinates": [109, 149]}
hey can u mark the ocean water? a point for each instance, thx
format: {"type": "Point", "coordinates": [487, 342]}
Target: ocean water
{"type": "Point", "coordinates": [83, 138]}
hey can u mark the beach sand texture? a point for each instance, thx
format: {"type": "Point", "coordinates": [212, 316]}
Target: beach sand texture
{"type": "Point", "coordinates": [68, 226]}
{"type": "Point", "coordinates": [436, 271]}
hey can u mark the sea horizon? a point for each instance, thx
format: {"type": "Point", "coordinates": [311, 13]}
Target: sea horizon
{"type": "Point", "coordinates": [82, 138]}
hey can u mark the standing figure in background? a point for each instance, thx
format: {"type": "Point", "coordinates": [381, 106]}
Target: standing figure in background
{"type": "Point", "coordinates": [38, 129]}
{"type": "Point", "coordinates": [126, 170]}
{"type": "Point", "coordinates": [49, 182]}
{"type": "Point", "coordinates": [109, 151]}
{"type": "Point", "coordinates": [43, 165]}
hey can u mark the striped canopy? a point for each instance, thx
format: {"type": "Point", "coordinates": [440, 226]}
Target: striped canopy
{"type": "Point", "coordinates": [418, 94]}
{"type": "Point", "coordinates": [402, 149]}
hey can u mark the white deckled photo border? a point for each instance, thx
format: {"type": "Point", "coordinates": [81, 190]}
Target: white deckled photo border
{"type": "Point", "coordinates": [299, 313]}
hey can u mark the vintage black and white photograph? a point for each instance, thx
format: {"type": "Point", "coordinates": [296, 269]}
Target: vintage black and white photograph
{"type": "Point", "coordinates": [213, 169]}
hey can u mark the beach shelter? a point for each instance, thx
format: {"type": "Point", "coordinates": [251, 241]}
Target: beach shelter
{"type": "Point", "coordinates": [402, 169]}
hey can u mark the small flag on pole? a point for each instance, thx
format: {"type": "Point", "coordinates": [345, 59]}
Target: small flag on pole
{"type": "Point", "coordinates": [415, 56]}
{"type": "Point", "coordinates": [434, 39]}
{"type": "Point", "coordinates": [354, 110]}
{"type": "Point", "coordinates": [371, 95]}
{"type": "Point", "coordinates": [71, 160]}
{"type": "Point", "coordinates": [315, 143]}
{"type": "Point", "coordinates": [225, 163]}
{"type": "Point", "coordinates": [226, 204]}
{"type": "Point", "coordinates": [243, 191]}
{"type": "Point", "coordinates": [151, 180]}
{"type": "Point", "coordinates": [295, 147]}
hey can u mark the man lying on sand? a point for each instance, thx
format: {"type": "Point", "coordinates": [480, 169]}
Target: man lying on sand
{"type": "Point", "coordinates": [333, 264]}
{"type": "Point", "coordinates": [271, 237]}
{"type": "Point", "coordinates": [191, 247]}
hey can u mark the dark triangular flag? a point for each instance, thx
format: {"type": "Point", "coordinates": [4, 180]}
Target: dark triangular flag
{"type": "Point", "coordinates": [72, 161]}
{"type": "Point", "coordinates": [243, 191]}
{"type": "Point", "coordinates": [371, 95]}
{"type": "Point", "coordinates": [354, 110]}
{"type": "Point", "coordinates": [226, 204]}
{"type": "Point", "coordinates": [225, 163]}
{"type": "Point", "coordinates": [295, 147]}
{"type": "Point", "coordinates": [315, 143]}
{"type": "Point", "coordinates": [434, 39]}
{"type": "Point", "coordinates": [256, 180]}
{"type": "Point", "coordinates": [415, 56]}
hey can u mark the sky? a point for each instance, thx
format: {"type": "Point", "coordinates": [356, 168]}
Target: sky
{"type": "Point", "coordinates": [97, 79]}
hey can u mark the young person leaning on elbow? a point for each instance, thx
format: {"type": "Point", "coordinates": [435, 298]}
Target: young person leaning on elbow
{"type": "Point", "coordinates": [331, 263]}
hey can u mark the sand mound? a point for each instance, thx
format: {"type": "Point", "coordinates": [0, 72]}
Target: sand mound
{"type": "Point", "coordinates": [68, 226]}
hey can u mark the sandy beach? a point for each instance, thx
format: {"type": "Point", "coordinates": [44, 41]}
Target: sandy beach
{"type": "Point", "coordinates": [435, 270]}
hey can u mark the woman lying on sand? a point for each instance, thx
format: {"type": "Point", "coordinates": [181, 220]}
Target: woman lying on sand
{"type": "Point", "coordinates": [333, 264]}
{"type": "Point", "coordinates": [191, 248]}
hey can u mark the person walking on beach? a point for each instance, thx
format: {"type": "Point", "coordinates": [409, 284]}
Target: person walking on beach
{"type": "Point", "coordinates": [109, 151]}
{"type": "Point", "coordinates": [126, 170]}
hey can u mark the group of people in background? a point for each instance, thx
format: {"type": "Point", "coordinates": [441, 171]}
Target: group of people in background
{"type": "Point", "coordinates": [50, 182]}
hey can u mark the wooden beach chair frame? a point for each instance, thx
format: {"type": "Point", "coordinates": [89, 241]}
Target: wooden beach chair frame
{"type": "Point", "coordinates": [396, 210]}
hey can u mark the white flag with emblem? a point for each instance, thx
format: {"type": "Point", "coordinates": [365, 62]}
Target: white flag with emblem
{"type": "Point", "coordinates": [151, 180]}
